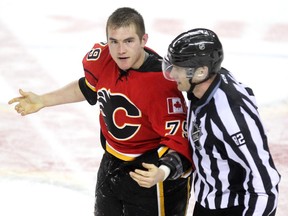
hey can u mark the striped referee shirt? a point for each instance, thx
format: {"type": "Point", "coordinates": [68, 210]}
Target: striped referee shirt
{"type": "Point", "coordinates": [230, 151]}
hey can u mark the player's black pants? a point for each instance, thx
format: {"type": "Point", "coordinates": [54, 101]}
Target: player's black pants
{"type": "Point", "coordinates": [117, 194]}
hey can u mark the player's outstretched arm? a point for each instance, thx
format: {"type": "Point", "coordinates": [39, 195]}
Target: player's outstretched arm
{"type": "Point", "coordinates": [29, 102]}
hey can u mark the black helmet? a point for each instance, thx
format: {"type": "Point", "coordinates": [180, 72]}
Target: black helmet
{"type": "Point", "coordinates": [196, 48]}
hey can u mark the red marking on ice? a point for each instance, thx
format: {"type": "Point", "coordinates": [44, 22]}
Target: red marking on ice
{"type": "Point", "coordinates": [277, 32]}
{"type": "Point", "coordinates": [168, 26]}
{"type": "Point", "coordinates": [230, 29]}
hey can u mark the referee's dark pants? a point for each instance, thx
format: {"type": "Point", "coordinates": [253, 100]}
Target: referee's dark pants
{"type": "Point", "coordinates": [233, 211]}
{"type": "Point", "coordinates": [117, 194]}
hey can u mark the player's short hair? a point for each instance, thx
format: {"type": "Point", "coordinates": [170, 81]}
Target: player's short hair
{"type": "Point", "coordinates": [124, 17]}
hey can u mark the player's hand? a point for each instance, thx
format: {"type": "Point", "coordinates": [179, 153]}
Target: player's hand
{"type": "Point", "coordinates": [147, 178]}
{"type": "Point", "coordinates": [28, 103]}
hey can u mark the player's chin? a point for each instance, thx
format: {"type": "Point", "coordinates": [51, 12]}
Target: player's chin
{"type": "Point", "coordinates": [123, 64]}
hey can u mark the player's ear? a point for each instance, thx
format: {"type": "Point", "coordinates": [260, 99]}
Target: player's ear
{"type": "Point", "coordinates": [144, 39]}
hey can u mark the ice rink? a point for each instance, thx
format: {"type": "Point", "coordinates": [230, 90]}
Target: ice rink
{"type": "Point", "coordinates": [49, 160]}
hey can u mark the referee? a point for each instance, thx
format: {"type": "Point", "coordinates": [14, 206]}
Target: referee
{"type": "Point", "coordinates": [235, 173]}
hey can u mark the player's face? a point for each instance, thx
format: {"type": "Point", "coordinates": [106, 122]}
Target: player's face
{"type": "Point", "coordinates": [125, 47]}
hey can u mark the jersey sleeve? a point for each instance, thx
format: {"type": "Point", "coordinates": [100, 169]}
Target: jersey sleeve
{"type": "Point", "coordinates": [167, 114]}
{"type": "Point", "coordinates": [92, 65]}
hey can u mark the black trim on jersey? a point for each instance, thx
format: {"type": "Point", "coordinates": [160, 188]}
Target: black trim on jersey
{"type": "Point", "coordinates": [122, 73]}
{"type": "Point", "coordinates": [91, 74]}
{"type": "Point", "coordinates": [90, 95]}
{"type": "Point", "coordinates": [152, 64]}
{"type": "Point", "coordinates": [103, 141]}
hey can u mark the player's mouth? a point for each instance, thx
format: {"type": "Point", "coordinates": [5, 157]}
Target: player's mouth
{"type": "Point", "coordinates": [123, 58]}
{"type": "Point", "coordinates": [124, 63]}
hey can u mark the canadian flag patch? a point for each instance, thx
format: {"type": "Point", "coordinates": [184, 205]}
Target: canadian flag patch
{"type": "Point", "coordinates": [174, 105]}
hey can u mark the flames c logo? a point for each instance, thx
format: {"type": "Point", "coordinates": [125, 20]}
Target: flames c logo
{"type": "Point", "coordinates": [118, 113]}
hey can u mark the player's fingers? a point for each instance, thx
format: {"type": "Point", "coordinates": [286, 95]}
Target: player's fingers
{"type": "Point", "coordinates": [21, 110]}
{"type": "Point", "coordinates": [148, 166]}
{"type": "Point", "coordinates": [14, 100]}
{"type": "Point", "coordinates": [23, 93]}
{"type": "Point", "coordinates": [23, 113]}
{"type": "Point", "coordinates": [18, 108]}
{"type": "Point", "coordinates": [134, 177]}
{"type": "Point", "coordinates": [142, 172]}
{"type": "Point", "coordinates": [141, 181]}
{"type": "Point", "coordinates": [137, 177]}
{"type": "Point", "coordinates": [144, 183]}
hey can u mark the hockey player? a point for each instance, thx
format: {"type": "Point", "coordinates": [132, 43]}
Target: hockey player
{"type": "Point", "coordinates": [142, 119]}
{"type": "Point", "coordinates": [235, 174]}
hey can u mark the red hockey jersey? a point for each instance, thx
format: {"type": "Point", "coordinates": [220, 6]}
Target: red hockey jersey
{"type": "Point", "coordinates": [139, 109]}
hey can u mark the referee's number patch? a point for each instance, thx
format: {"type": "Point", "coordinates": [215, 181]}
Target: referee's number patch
{"type": "Point", "coordinates": [238, 138]}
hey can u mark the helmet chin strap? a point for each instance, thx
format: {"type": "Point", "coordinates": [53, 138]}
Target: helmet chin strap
{"type": "Point", "coordinates": [193, 85]}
